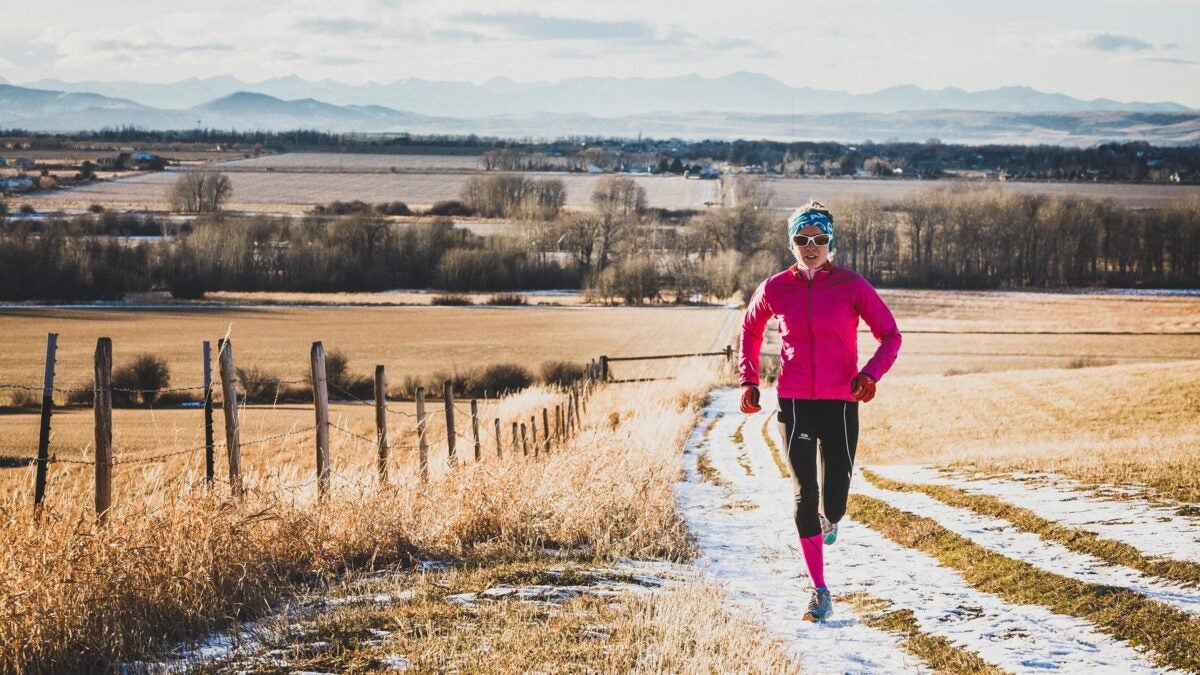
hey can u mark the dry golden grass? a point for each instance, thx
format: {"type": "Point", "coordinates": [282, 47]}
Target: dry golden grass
{"type": "Point", "coordinates": [1123, 424]}
{"type": "Point", "coordinates": [409, 341]}
{"type": "Point", "coordinates": [681, 628]}
{"type": "Point", "coordinates": [394, 298]}
{"type": "Point", "coordinates": [1006, 311]}
{"type": "Point", "coordinates": [291, 192]}
{"type": "Point", "coordinates": [81, 596]}
{"type": "Point", "coordinates": [354, 163]}
{"type": "Point", "coordinates": [790, 193]}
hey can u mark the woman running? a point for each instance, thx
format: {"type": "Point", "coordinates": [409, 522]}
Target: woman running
{"type": "Point", "coordinates": [820, 384]}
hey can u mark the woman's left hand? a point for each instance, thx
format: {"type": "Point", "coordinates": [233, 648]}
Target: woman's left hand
{"type": "Point", "coordinates": [862, 388]}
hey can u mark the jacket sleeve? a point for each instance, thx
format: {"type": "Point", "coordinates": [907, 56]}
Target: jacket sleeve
{"type": "Point", "coordinates": [883, 326]}
{"type": "Point", "coordinates": [753, 324]}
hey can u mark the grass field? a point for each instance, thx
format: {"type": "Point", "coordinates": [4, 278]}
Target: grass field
{"type": "Point", "coordinates": [298, 181]}
{"type": "Point", "coordinates": [407, 340]}
{"type": "Point", "coordinates": [296, 192]}
{"type": "Point", "coordinates": [986, 381]}
{"type": "Point", "coordinates": [354, 163]}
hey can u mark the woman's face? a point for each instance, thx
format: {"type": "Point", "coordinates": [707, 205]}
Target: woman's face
{"type": "Point", "coordinates": [810, 255]}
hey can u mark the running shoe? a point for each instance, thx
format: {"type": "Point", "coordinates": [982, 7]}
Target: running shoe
{"type": "Point", "coordinates": [828, 529]}
{"type": "Point", "coordinates": [820, 606]}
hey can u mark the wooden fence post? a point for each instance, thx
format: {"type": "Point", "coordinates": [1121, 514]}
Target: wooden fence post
{"type": "Point", "coordinates": [209, 445]}
{"type": "Point", "coordinates": [102, 406]}
{"type": "Point", "coordinates": [381, 422]}
{"type": "Point", "coordinates": [728, 353]}
{"type": "Point", "coordinates": [515, 444]}
{"type": "Point", "coordinates": [448, 396]}
{"type": "Point", "coordinates": [604, 369]}
{"type": "Point", "coordinates": [533, 434]}
{"type": "Point", "coordinates": [524, 441]}
{"type": "Point", "coordinates": [422, 446]}
{"type": "Point", "coordinates": [546, 430]}
{"type": "Point", "coordinates": [233, 442]}
{"type": "Point", "coordinates": [475, 429]}
{"type": "Point", "coordinates": [570, 418]}
{"type": "Point", "coordinates": [499, 441]}
{"type": "Point", "coordinates": [321, 404]}
{"type": "Point", "coordinates": [43, 456]}
{"type": "Point", "coordinates": [575, 399]}
{"type": "Point", "coordinates": [558, 423]}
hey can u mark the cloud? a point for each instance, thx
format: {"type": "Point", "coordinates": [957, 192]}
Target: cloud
{"type": "Point", "coordinates": [1112, 42]}
{"type": "Point", "coordinates": [534, 26]}
{"type": "Point", "coordinates": [746, 47]}
{"type": "Point", "coordinates": [457, 35]}
{"type": "Point", "coordinates": [1163, 59]}
{"type": "Point", "coordinates": [19, 53]}
{"type": "Point", "coordinates": [339, 60]}
{"type": "Point", "coordinates": [156, 46]}
{"type": "Point", "coordinates": [335, 26]}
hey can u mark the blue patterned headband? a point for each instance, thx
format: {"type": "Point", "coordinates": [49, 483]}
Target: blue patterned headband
{"type": "Point", "coordinates": [801, 219]}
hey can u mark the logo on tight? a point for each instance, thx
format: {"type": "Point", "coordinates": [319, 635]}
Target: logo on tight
{"type": "Point", "coordinates": [803, 437]}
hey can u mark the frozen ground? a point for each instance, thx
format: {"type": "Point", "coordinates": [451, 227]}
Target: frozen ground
{"type": "Point", "coordinates": [740, 510]}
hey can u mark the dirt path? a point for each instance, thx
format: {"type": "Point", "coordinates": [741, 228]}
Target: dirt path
{"type": "Point", "coordinates": [739, 506]}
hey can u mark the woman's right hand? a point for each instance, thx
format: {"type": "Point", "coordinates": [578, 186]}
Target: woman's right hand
{"type": "Point", "coordinates": [750, 399]}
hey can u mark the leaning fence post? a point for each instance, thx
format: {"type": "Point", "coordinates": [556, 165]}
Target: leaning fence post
{"type": "Point", "coordinates": [381, 421]}
{"type": "Point", "coordinates": [546, 429]}
{"type": "Point", "coordinates": [515, 444]}
{"type": "Point", "coordinates": [558, 423]}
{"type": "Point", "coordinates": [209, 458]}
{"type": "Point", "coordinates": [422, 446]}
{"type": "Point", "coordinates": [499, 441]}
{"type": "Point", "coordinates": [524, 441]}
{"type": "Point", "coordinates": [575, 399]}
{"type": "Point", "coordinates": [321, 403]}
{"type": "Point", "coordinates": [102, 406]}
{"type": "Point", "coordinates": [43, 456]}
{"type": "Point", "coordinates": [448, 396]}
{"type": "Point", "coordinates": [533, 435]}
{"type": "Point", "coordinates": [233, 443]}
{"type": "Point", "coordinates": [475, 429]}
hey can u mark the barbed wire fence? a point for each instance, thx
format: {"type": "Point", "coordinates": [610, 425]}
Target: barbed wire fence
{"type": "Point", "coordinates": [559, 423]}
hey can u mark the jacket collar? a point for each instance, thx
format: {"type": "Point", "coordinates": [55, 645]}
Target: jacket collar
{"type": "Point", "coordinates": [827, 268]}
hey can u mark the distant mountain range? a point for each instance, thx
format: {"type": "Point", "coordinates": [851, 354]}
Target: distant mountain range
{"type": "Point", "coordinates": [743, 92]}
{"type": "Point", "coordinates": [743, 105]}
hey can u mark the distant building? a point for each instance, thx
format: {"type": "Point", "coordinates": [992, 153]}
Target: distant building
{"type": "Point", "coordinates": [16, 184]}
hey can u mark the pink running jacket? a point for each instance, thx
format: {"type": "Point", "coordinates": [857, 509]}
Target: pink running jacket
{"type": "Point", "coordinates": [818, 323]}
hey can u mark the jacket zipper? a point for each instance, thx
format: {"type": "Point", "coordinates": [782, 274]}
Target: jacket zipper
{"type": "Point", "coordinates": [812, 347]}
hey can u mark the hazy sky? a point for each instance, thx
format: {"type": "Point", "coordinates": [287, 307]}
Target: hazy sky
{"type": "Point", "coordinates": [1146, 50]}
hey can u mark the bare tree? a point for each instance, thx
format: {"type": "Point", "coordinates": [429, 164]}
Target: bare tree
{"type": "Point", "coordinates": [199, 192]}
{"type": "Point", "coordinates": [619, 202]}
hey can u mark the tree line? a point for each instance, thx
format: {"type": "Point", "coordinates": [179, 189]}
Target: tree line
{"type": "Point", "coordinates": [618, 250]}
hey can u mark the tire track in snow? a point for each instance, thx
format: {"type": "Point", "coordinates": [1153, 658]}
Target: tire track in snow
{"type": "Point", "coordinates": [1001, 536]}
{"type": "Point", "coordinates": [1153, 530]}
{"type": "Point", "coordinates": [753, 551]}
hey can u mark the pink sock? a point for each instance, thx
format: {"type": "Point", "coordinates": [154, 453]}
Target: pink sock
{"type": "Point", "coordinates": [814, 558]}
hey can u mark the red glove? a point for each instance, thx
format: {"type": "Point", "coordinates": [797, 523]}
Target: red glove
{"type": "Point", "coordinates": [750, 399]}
{"type": "Point", "coordinates": [862, 388]}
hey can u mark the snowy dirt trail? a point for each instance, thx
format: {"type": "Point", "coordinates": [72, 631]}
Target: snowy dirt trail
{"type": "Point", "coordinates": [740, 508]}
{"type": "Point", "coordinates": [1157, 530]}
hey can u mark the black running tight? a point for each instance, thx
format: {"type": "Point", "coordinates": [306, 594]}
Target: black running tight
{"type": "Point", "coordinates": [820, 438]}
